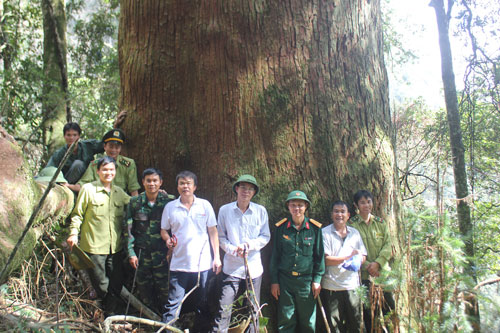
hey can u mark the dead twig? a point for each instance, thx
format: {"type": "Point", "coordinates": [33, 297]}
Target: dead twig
{"type": "Point", "coordinates": [121, 318]}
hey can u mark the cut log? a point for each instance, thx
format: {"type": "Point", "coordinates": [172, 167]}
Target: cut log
{"type": "Point", "coordinates": [19, 194]}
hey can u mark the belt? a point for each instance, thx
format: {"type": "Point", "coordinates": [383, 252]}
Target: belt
{"type": "Point", "coordinates": [293, 273]}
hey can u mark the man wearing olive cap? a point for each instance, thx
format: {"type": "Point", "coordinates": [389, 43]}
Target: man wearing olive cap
{"type": "Point", "coordinates": [297, 265]}
{"type": "Point", "coordinates": [243, 228]}
{"type": "Point", "coordinates": [126, 171]}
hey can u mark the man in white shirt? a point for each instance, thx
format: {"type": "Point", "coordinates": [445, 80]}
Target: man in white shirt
{"type": "Point", "coordinates": [243, 231]}
{"type": "Point", "coordinates": [344, 253]}
{"type": "Point", "coordinates": [193, 228]}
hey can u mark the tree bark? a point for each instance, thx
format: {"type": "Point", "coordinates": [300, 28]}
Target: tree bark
{"type": "Point", "coordinates": [19, 193]}
{"type": "Point", "coordinates": [294, 92]}
{"type": "Point", "coordinates": [55, 103]}
{"type": "Point", "coordinates": [457, 147]}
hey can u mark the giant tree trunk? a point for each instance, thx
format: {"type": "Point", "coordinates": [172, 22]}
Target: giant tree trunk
{"type": "Point", "coordinates": [457, 147]}
{"type": "Point", "coordinates": [18, 196]}
{"type": "Point", "coordinates": [56, 111]}
{"type": "Point", "coordinates": [294, 92]}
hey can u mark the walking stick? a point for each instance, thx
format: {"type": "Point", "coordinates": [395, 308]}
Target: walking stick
{"type": "Point", "coordinates": [257, 305]}
{"type": "Point", "coordinates": [133, 282]}
{"type": "Point", "coordinates": [323, 314]}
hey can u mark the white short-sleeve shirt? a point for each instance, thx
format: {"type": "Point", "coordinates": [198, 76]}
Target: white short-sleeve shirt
{"type": "Point", "coordinates": [337, 277]}
{"type": "Point", "coordinates": [192, 253]}
{"type": "Point", "coordinates": [235, 228]}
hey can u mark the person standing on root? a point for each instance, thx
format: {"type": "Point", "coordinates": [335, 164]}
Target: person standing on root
{"type": "Point", "coordinates": [297, 265]}
{"type": "Point", "coordinates": [243, 228]}
{"type": "Point", "coordinates": [146, 249]}
{"type": "Point", "coordinates": [193, 228]}
{"type": "Point", "coordinates": [376, 237]}
{"type": "Point", "coordinates": [98, 219]}
{"type": "Point", "coordinates": [344, 253]}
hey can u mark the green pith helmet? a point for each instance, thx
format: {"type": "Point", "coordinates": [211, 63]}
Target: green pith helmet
{"type": "Point", "coordinates": [246, 179]}
{"type": "Point", "coordinates": [297, 195]}
{"type": "Point", "coordinates": [47, 173]}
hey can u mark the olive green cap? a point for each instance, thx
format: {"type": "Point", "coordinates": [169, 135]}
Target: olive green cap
{"type": "Point", "coordinates": [297, 195]}
{"type": "Point", "coordinates": [46, 174]}
{"type": "Point", "coordinates": [246, 179]}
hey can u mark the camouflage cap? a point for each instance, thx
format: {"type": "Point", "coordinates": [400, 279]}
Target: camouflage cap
{"type": "Point", "coordinates": [115, 134]}
{"type": "Point", "coordinates": [46, 174]}
{"type": "Point", "coordinates": [246, 179]}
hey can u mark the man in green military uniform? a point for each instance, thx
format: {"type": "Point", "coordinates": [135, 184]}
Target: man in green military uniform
{"type": "Point", "coordinates": [83, 154]}
{"type": "Point", "coordinates": [126, 171]}
{"type": "Point", "coordinates": [146, 249]}
{"type": "Point", "coordinates": [98, 218]}
{"type": "Point", "coordinates": [297, 265]}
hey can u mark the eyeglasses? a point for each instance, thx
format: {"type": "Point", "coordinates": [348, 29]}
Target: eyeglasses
{"type": "Point", "coordinates": [247, 188]}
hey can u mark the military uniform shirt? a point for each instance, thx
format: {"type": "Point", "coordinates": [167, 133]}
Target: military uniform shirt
{"type": "Point", "coordinates": [98, 217]}
{"type": "Point", "coordinates": [298, 252]}
{"type": "Point", "coordinates": [126, 174]}
{"type": "Point", "coordinates": [144, 224]}
{"type": "Point", "coordinates": [377, 242]}
{"type": "Point", "coordinates": [85, 153]}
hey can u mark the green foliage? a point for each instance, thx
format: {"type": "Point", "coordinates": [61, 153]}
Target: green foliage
{"type": "Point", "coordinates": [395, 52]}
{"type": "Point", "coordinates": [93, 71]}
{"type": "Point", "coordinates": [22, 73]}
{"type": "Point", "coordinates": [434, 281]}
{"type": "Point", "coordinates": [93, 64]}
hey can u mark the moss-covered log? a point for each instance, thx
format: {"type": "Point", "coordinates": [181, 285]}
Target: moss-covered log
{"type": "Point", "coordinates": [19, 194]}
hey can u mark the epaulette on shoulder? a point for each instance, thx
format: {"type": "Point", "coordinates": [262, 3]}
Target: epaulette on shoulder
{"type": "Point", "coordinates": [280, 222]}
{"type": "Point", "coordinates": [94, 162]}
{"type": "Point", "coordinates": [316, 223]}
{"type": "Point", "coordinates": [125, 162]}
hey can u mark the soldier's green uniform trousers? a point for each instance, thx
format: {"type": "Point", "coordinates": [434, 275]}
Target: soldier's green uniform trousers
{"type": "Point", "coordinates": [296, 304]}
{"type": "Point", "coordinates": [152, 280]}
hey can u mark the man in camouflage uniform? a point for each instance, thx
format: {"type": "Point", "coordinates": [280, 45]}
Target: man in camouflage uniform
{"type": "Point", "coordinates": [126, 171]}
{"type": "Point", "coordinates": [146, 249]}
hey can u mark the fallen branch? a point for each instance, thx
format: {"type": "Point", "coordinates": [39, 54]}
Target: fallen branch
{"type": "Point", "coordinates": [36, 324]}
{"type": "Point", "coordinates": [122, 318]}
{"type": "Point", "coordinates": [138, 305]}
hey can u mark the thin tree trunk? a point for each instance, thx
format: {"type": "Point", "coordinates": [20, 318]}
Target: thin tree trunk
{"type": "Point", "coordinates": [56, 109]}
{"type": "Point", "coordinates": [457, 147]}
